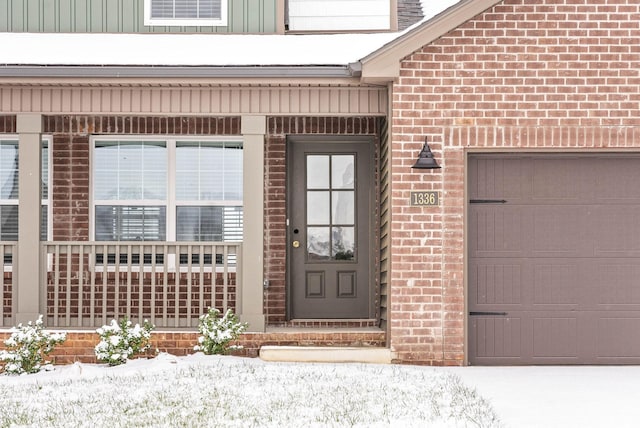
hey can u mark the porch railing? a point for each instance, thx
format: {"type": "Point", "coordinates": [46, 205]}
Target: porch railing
{"type": "Point", "coordinates": [86, 284]}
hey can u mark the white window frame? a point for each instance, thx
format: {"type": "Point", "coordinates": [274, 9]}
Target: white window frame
{"type": "Point", "coordinates": [44, 201]}
{"type": "Point", "coordinates": [171, 202]}
{"type": "Point", "coordinates": [181, 22]}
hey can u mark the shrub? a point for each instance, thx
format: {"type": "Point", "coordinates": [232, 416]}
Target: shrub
{"type": "Point", "coordinates": [120, 341]}
{"type": "Point", "coordinates": [27, 347]}
{"type": "Point", "coordinates": [217, 331]}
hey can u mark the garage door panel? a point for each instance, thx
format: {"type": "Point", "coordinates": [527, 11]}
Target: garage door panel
{"type": "Point", "coordinates": [554, 283]}
{"type": "Point", "coordinates": [491, 178]}
{"type": "Point", "coordinates": [560, 230]}
{"type": "Point", "coordinates": [498, 232]}
{"type": "Point", "coordinates": [554, 180]}
{"type": "Point", "coordinates": [618, 336]}
{"type": "Point", "coordinates": [554, 275]}
{"type": "Point", "coordinates": [616, 231]}
{"type": "Point", "coordinates": [496, 337]}
{"type": "Point", "coordinates": [617, 285]}
{"type": "Point", "coordinates": [618, 179]}
{"type": "Point", "coordinates": [495, 284]}
{"type": "Point", "coordinates": [555, 337]}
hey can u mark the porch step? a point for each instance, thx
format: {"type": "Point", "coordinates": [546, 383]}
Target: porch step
{"type": "Point", "coordinates": [325, 354]}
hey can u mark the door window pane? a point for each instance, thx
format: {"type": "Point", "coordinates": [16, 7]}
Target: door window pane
{"type": "Point", "coordinates": [343, 243]}
{"type": "Point", "coordinates": [318, 206]}
{"type": "Point", "coordinates": [342, 171]}
{"type": "Point", "coordinates": [317, 172]}
{"type": "Point", "coordinates": [318, 243]}
{"type": "Point", "coordinates": [343, 211]}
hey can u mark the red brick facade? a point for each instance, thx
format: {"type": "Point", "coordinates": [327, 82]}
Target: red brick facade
{"type": "Point", "coordinates": [553, 75]}
{"type": "Point", "coordinates": [79, 346]}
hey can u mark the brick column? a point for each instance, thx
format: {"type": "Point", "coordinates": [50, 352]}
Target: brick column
{"type": "Point", "coordinates": [251, 304]}
{"type": "Point", "coordinates": [26, 267]}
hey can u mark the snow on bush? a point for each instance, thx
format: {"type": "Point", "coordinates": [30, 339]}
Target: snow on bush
{"type": "Point", "coordinates": [216, 332]}
{"type": "Point", "coordinates": [27, 347]}
{"type": "Point", "coordinates": [120, 341]}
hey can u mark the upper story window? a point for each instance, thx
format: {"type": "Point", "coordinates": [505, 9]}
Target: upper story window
{"type": "Point", "coordinates": [185, 12]}
{"type": "Point", "coordinates": [167, 190]}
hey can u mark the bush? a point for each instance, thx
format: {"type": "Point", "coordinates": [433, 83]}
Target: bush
{"type": "Point", "coordinates": [120, 341]}
{"type": "Point", "coordinates": [27, 347]}
{"type": "Point", "coordinates": [216, 332]}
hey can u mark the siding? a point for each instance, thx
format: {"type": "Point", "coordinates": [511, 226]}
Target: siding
{"type": "Point", "coordinates": [385, 218]}
{"type": "Point", "coordinates": [218, 101]}
{"type": "Point", "coordinates": [339, 15]}
{"type": "Point", "coordinates": [122, 16]}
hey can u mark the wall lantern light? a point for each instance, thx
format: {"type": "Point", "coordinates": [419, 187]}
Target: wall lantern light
{"type": "Point", "coordinates": [425, 158]}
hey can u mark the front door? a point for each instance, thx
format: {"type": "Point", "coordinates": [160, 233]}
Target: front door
{"type": "Point", "coordinates": [330, 217]}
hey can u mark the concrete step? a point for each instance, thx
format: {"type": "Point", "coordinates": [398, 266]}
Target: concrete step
{"type": "Point", "coordinates": [325, 354]}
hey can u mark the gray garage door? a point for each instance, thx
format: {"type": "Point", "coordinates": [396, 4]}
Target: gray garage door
{"type": "Point", "coordinates": [554, 259]}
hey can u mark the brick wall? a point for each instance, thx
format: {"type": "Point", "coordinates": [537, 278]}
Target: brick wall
{"type": "Point", "coordinates": [79, 346]}
{"type": "Point", "coordinates": [553, 75]}
{"type": "Point", "coordinates": [7, 124]}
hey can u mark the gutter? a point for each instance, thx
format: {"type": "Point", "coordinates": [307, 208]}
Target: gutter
{"type": "Point", "coordinates": [113, 71]}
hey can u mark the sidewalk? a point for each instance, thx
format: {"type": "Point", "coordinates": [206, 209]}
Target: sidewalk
{"type": "Point", "coordinates": [559, 396]}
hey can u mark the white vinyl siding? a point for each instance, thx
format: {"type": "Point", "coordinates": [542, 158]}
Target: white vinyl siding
{"type": "Point", "coordinates": [169, 190]}
{"type": "Point", "coordinates": [185, 12]}
{"type": "Point", "coordinates": [339, 15]}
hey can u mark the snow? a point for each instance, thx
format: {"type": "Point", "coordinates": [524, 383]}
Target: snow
{"type": "Point", "coordinates": [559, 396]}
{"type": "Point", "coordinates": [200, 390]}
{"type": "Point", "coordinates": [58, 49]}
{"type": "Point", "coordinates": [189, 391]}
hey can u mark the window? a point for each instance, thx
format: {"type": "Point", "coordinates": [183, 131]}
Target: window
{"type": "Point", "coordinates": [206, 174]}
{"type": "Point", "coordinates": [185, 12]}
{"type": "Point", "coordinates": [9, 189]}
{"type": "Point", "coordinates": [172, 190]}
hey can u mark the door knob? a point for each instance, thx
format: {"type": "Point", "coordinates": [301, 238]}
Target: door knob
{"type": "Point", "coordinates": [295, 244]}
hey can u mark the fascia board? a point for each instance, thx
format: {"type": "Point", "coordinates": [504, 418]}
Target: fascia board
{"type": "Point", "coordinates": [61, 71]}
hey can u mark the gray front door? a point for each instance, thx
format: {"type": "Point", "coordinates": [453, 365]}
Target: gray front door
{"type": "Point", "coordinates": [329, 218]}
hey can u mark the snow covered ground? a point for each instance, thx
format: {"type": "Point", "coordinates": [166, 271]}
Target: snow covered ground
{"type": "Point", "coordinates": [219, 391]}
{"type": "Point", "coordinates": [559, 396]}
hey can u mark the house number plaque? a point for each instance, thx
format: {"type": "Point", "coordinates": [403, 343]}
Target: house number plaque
{"type": "Point", "coordinates": [428, 199]}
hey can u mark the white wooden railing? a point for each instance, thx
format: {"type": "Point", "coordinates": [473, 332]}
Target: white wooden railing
{"type": "Point", "coordinates": [86, 284]}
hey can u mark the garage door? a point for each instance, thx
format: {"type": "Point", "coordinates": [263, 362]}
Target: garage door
{"type": "Point", "coordinates": [554, 259]}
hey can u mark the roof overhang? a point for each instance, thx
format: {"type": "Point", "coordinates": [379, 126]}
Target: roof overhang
{"type": "Point", "coordinates": [383, 65]}
{"type": "Point", "coordinates": [188, 72]}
